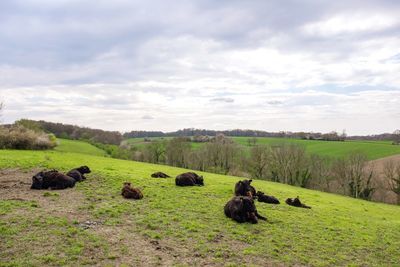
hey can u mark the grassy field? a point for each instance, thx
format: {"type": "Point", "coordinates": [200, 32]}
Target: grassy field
{"type": "Point", "coordinates": [174, 226]}
{"type": "Point", "coordinates": [81, 147]}
{"type": "Point", "coordinates": [373, 149]}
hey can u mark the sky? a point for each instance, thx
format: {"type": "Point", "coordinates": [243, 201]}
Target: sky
{"type": "Point", "coordinates": [294, 65]}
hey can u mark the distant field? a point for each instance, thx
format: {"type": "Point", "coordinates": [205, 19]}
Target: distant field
{"type": "Point", "coordinates": [139, 142]}
{"type": "Point", "coordinates": [373, 149]}
{"type": "Point", "coordinates": [173, 226]}
{"type": "Point", "coordinates": [81, 147]}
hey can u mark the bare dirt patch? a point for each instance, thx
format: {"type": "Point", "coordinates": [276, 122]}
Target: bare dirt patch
{"type": "Point", "coordinates": [15, 185]}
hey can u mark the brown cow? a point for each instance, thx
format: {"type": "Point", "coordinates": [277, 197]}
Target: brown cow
{"type": "Point", "coordinates": [130, 192]}
{"type": "Point", "coordinates": [242, 209]}
{"type": "Point", "coordinates": [52, 179]}
{"type": "Point", "coordinates": [296, 203]}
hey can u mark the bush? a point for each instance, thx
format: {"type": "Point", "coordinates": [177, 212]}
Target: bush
{"type": "Point", "coordinates": [19, 137]}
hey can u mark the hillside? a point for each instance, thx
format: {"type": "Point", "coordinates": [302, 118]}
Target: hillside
{"type": "Point", "coordinates": [373, 149]}
{"type": "Point", "coordinates": [92, 224]}
{"type": "Point", "coordinates": [76, 146]}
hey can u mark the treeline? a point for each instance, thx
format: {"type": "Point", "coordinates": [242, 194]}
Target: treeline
{"type": "Point", "coordinates": [69, 131]}
{"type": "Point", "coordinates": [332, 136]}
{"type": "Point", "coordinates": [394, 137]}
{"type": "Point", "coordinates": [284, 163]}
{"type": "Point", "coordinates": [374, 137]}
{"type": "Point", "coordinates": [143, 134]}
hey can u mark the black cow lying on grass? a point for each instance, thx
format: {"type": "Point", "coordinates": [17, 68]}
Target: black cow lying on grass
{"type": "Point", "coordinates": [244, 188]}
{"type": "Point", "coordinates": [189, 179]}
{"type": "Point", "coordinates": [266, 198]}
{"type": "Point", "coordinates": [242, 209]}
{"type": "Point", "coordinates": [52, 179]}
{"type": "Point", "coordinates": [296, 203]}
{"type": "Point", "coordinates": [130, 192]}
{"type": "Point", "coordinates": [78, 173]}
{"type": "Point", "coordinates": [160, 175]}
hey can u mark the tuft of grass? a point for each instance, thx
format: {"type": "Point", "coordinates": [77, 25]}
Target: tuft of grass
{"type": "Point", "coordinates": [51, 194]}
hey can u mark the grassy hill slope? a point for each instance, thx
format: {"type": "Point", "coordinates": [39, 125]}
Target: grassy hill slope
{"type": "Point", "coordinates": [183, 226]}
{"type": "Point", "coordinates": [76, 146]}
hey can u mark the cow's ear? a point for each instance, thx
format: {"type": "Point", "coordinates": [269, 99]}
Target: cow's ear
{"type": "Point", "coordinates": [250, 180]}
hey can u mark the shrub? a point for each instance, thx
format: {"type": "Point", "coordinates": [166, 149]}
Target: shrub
{"type": "Point", "coordinates": [19, 137]}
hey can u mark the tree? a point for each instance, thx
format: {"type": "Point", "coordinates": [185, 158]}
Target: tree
{"type": "Point", "coordinates": [176, 151]}
{"type": "Point", "coordinates": [320, 172]}
{"type": "Point", "coordinates": [221, 154]}
{"type": "Point", "coordinates": [1, 109]}
{"type": "Point", "coordinates": [339, 172]}
{"type": "Point", "coordinates": [391, 171]}
{"type": "Point", "coordinates": [343, 136]}
{"type": "Point", "coordinates": [290, 164]}
{"type": "Point", "coordinates": [354, 176]}
{"type": "Point", "coordinates": [396, 137]}
{"type": "Point", "coordinates": [154, 152]}
{"type": "Point", "coordinates": [257, 164]}
{"type": "Point", "coordinates": [29, 124]}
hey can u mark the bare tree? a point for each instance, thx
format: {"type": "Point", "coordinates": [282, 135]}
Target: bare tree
{"type": "Point", "coordinates": [197, 159]}
{"type": "Point", "coordinates": [396, 137]}
{"type": "Point", "coordinates": [257, 164]}
{"type": "Point", "coordinates": [368, 187]}
{"type": "Point", "coordinates": [175, 151]}
{"type": "Point", "coordinates": [391, 171]}
{"type": "Point", "coordinates": [289, 164]}
{"type": "Point", "coordinates": [221, 154]}
{"type": "Point", "coordinates": [320, 172]}
{"type": "Point", "coordinates": [339, 172]}
{"type": "Point", "coordinates": [354, 176]}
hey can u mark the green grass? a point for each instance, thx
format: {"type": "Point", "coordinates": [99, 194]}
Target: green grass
{"type": "Point", "coordinates": [139, 142]}
{"type": "Point", "coordinates": [372, 149]}
{"type": "Point", "coordinates": [337, 231]}
{"type": "Point", "coordinates": [76, 146]}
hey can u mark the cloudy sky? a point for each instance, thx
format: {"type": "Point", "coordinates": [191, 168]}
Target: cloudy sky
{"type": "Point", "coordinates": [165, 65]}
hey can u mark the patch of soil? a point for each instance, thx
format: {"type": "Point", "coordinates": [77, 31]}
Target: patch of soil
{"type": "Point", "coordinates": [15, 184]}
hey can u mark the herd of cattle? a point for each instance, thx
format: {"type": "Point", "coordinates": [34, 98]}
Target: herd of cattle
{"type": "Point", "coordinates": [240, 208]}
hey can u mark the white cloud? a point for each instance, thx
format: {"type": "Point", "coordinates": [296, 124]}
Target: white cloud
{"type": "Point", "coordinates": [360, 112]}
{"type": "Point", "coordinates": [351, 23]}
{"type": "Point", "coordinates": [158, 66]}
